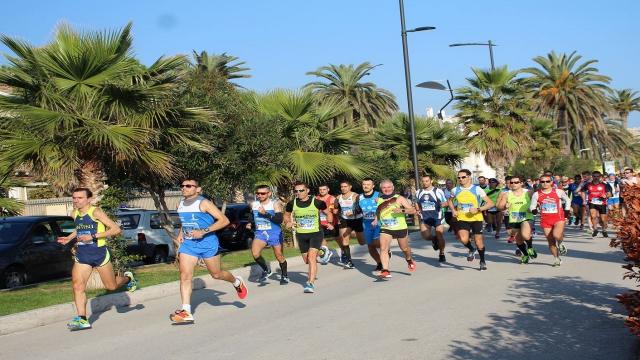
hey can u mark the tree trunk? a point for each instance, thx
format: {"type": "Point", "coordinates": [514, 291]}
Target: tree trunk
{"type": "Point", "coordinates": [238, 195]}
{"type": "Point", "coordinates": [91, 175]}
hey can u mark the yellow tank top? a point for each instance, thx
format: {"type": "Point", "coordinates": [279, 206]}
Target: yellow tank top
{"type": "Point", "coordinates": [467, 199]}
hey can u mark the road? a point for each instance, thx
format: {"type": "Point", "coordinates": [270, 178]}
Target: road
{"type": "Point", "coordinates": [453, 311]}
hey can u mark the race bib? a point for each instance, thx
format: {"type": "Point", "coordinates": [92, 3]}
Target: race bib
{"type": "Point", "coordinates": [596, 201]}
{"type": "Point", "coordinates": [263, 225]}
{"type": "Point", "coordinates": [391, 222]}
{"type": "Point", "coordinates": [465, 208]}
{"type": "Point", "coordinates": [517, 216]}
{"type": "Point", "coordinates": [369, 215]}
{"type": "Point", "coordinates": [323, 216]}
{"type": "Point", "coordinates": [549, 208]}
{"type": "Point", "coordinates": [306, 224]}
{"type": "Point", "coordinates": [428, 206]}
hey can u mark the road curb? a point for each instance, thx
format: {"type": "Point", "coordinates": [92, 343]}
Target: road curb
{"type": "Point", "coordinates": [56, 313]}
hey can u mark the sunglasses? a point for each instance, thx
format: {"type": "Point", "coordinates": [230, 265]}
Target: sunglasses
{"type": "Point", "coordinates": [545, 181]}
{"type": "Point", "coordinates": [300, 190]}
{"type": "Point", "coordinates": [462, 177]}
{"type": "Point", "coordinates": [627, 172]}
{"type": "Point", "coordinates": [262, 193]}
{"type": "Point", "coordinates": [188, 186]}
{"type": "Point", "coordinates": [514, 182]}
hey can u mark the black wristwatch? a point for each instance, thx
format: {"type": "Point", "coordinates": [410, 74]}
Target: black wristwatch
{"type": "Point", "coordinates": [93, 237]}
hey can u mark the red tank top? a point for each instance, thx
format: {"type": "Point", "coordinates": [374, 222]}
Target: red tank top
{"type": "Point", "coordinates": [597, 193]}
{"type": "Point", "coordinates": [550, 204]}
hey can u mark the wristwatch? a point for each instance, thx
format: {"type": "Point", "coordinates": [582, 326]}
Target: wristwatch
{"type": "Point", "coordinates": [93, 237]}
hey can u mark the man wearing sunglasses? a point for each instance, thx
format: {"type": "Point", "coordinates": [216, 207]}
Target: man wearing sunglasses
{"type": "Point", "coordinates": [468, 212]}
{"type": "Point", "coordinates": [516, 202]}
{"type": "Point", "coordinates": [200, 219]}
{"type": "Point", "coordinates": [597, 194]}
{"type": "Point", "coordinates": [302, 215]}
{"type": "Point", "coordinates": [266, 218]}
{"type": "Point", "coordinates": [368, 202]}
{"type": "Point", "coordinates": [549, 202]}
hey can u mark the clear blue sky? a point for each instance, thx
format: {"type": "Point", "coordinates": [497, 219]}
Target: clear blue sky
{"type": "Point", "coordinates": [281, 40]}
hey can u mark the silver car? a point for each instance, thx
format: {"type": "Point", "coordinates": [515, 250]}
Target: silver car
{"type": "Point", "coordinates": [146, 232]}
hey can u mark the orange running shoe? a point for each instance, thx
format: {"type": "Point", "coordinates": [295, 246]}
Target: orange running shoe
{"type": "Point", "coordinates": [241, 289]}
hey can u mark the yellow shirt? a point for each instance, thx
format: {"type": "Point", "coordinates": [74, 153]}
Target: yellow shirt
{"type": "Point", "coordinates": [467, 199]}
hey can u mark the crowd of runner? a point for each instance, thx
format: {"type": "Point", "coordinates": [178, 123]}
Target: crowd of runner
{"type": "Point", "coordinates": [467, 209]}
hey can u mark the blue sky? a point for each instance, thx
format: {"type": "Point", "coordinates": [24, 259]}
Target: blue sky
{"type": "Point", "coordinates": [281, 40]}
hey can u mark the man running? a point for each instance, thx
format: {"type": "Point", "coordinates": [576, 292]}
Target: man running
{"type": "Point", "coordinates": [266, 218]}
{"type": "Point", "coordinates": [549, 202]}
{"type": "Point", "coordinates": [368, 203]}
{"type": "Point", "coordinates": [430, 201]}
{"type": "Point", "coordinates": [597, 193]}
{"type": "Point", "coordinates": [517, 202]}
{"type": "Point", "coordinates": [494, 215]}
{"type": "Point", "coordinates": [448, 215]}
{"type": "Point", "coordinates": [577, 202]}
{"type": "Point", "coordinates": [507, 225]}
{"type": "Point", "coordinates": [350, 220]}
{"type": "Point", "coordinates": [390, 214]}
{"type": "Point", "coordinates": [92, 228]}
{"type": "Point", "coordinates": [200, 219]}
{"type": "Point", "coordinates": [468, 213]}
{"type": "Point", "coordinates": [613, 202]}
{"type": "Point", "coordinates": [302, 215]}
{"type": "Point", "coordinates": [326, 217]}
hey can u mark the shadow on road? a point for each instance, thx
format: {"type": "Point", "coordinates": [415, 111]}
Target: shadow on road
{"type": "Point", "coordinates": [558, 318]}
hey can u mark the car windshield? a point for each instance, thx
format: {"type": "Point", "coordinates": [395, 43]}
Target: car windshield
{"type": "Point", "coordinates": [11, 232]}
{"type": "Point", "coordinates": [128, 221]}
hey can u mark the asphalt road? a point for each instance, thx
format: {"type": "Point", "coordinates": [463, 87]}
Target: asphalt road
{"type": "Point", "coordinates": [453, 311]}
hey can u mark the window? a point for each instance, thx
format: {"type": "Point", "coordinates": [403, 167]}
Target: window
{"type": "Point", "coordinates": [156, 220]}
{"type": "Point", "coordinates": [244, 214]}
{"type": "Point", "coordinates": [11, 232]}
{"type": "Point", "coordinates": [128, 221]}
{"type": "Point", "coordinates": [42, 233]}
{"type": "Point", "coordinates": [66, 226]}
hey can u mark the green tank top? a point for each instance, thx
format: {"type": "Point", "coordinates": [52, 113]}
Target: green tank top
{"type": "Point", "coordinates": [493, 195]}
{"type": "Point", "coordinates": [307, 219]}
{"type": "Point", "coordinates": [519, 207]}
{"type": "Point", "coordinates": [388, 219]}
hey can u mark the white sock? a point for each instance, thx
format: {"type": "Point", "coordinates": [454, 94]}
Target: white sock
{"type": "Point", "coordinates": [237, 282]}
{"type": "Point", "coordinates": [187, 308]}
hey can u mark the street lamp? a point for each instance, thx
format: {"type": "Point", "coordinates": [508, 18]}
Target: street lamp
{"type": "Point", "coordinates": [438, 86]}
{"type": "Point", "coordinates": [407, 77]}
{"type": "Point", "coordinates": [488, 43]}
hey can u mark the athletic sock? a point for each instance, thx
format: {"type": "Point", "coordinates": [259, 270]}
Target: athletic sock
{"type": "Point", "coordinates": [523, 248]}
{"type": "Point", "coordinates": [187, 308]}
{"type": "Point", "coordinates": [83, 317]}
{"type": "Point", "coordinates": [260, 261]}
{"type": "Point", "coordinates": [481, 252]}
{"type": "Point", "coordinates": [283, 268]}
{"type": "Point", "coordinates": [236, 283]}
{"type": "Point", "coordinates": [346, 250]}
{"type": "Point", "coordinates": [469, 246]}
{"type": "Point", "coordinates": [529, 243]}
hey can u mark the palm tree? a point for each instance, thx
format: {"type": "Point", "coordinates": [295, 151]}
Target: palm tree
{"type": "Point", "coordinates": [546, 146]}
{"type": "Point", "coordinates": [315, 151]}
{"type": "Point", "coordinates": [573, 95]}
{"type": "Point", "coordinates": [368, 104]}
{"type": "Point", "coordinates": [8, 206]}
{"type": "Point", "coordinates": [223, 64]}
{"type": "Point", "coordinates": [440, 146]}
{"type": "Point", "coordinates": [495, 115]}
{"type": "Point", "coordinates": [82, 103]}
{"type": "Point", "coordinates": [623, 102]}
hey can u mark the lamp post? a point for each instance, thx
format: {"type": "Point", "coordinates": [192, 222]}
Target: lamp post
{"type": "Point", "coordinates": [435, 85]}
{"type": "Point", "coordinates": [407, 77]}
{"type": "Point", "coordinates": [488, 43]}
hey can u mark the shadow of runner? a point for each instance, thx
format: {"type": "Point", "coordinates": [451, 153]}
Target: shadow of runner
{"type": "Point", "coordinates": [212, 297]}
{"type": "Point", "coordinates": [120, 301]}
{"type": "Point", "coordinates": [559, 318]}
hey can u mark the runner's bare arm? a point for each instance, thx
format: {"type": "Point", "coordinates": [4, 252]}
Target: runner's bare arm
{"type": "Point", "coordinates": [488, 203]}
{"type": "Point", "coordinates": [406, 206]}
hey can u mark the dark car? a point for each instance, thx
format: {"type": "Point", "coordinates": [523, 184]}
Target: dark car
{"type": "Point", "coordinates": [235, 235]}
{"type": "Point", "coordinates": [29, 250]}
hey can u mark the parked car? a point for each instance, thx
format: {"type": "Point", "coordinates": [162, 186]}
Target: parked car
{"type": "Point", "coordinates": [146, 234]}
{"type": "Point", "coordinates": [29, 250]}
{"type": "Point", "coordinates": [235, 235]}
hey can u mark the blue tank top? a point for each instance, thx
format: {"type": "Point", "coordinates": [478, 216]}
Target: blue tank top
{"type": "Point", "coordinates": [265, 228]}
{"type": "Point", "coordinates": [430, 202]}
{"type": "Point", "coordinates": [369, 205]}
{"type": "Point", "coordinates": [192, 218]}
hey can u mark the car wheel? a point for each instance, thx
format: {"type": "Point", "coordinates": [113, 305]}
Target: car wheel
{"type": "Point", "coordinates": [14, 277]}
{"type": "Point", "coordinates": [160, 256]}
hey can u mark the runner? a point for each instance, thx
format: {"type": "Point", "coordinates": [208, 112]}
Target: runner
{"type": "Point", "coordinates": [516, 202]}
{"type": "Point", "coordinates": [302, 215]}
{"type": "Point", "coordinates": [393, 225]}
{"type": "Point", "coordinates": [549, 201]}
{"type": "Point", "coordinates": [507, 225]}
{"type": "Point", "coordinates": [326, 217]}
{"type": "Point", "coordinates": [448, 215]}
{"type": "Point", "coordinates": [494, 216]}
{"type": "Point", "coordinates": [368, 202]}
{"type": "Point", "coordinates": [266, 218]}
{"type": "Point", "coordinates": [584, 192]}
{"type": "Point", "coordinates": [597, 193]}
{"type": "Point", "coordinates": [200, 219]}
{"type": "Point", "coordinates": [468, 213]}
{"type": "Point", "coordinates": [430, 201]}
{"type": "Point", "coordinates": [484, 185]}
{"type": "Point", "coordinates": [577, 202]}
{"type": "Point", "coordinates": [347, 210]}
{"type": "Point", "coordinates": [92, 228]}
{"type": "Point", "coordinates": [613, 203]}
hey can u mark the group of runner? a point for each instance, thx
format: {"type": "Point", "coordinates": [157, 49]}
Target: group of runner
{"type": "Point", "coordinates": [376, 218]}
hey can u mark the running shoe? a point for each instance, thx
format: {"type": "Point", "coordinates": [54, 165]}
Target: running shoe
{"type": "Point", "coordinates": [349, 265]}
{"type": "Point", "coordinates": [581, 226]}
{"type": "Point", "coordinates": [471, 255]}
{"type": "Point", "coordinates": [78, 323]}
{"type": "Point", "coordinates": [524, 259]}
{"type": "Point", "coordinates": [321, 252]}
{"type": "Point", "coordinates": [384, 274]}
{"type": "Point", "coordinates": [511, 239]}
{"type": "Point", "coordinates": [434, 244]}
{"type": "Point", "coordinates": [411, 265]}
{"type": "Point", "coordinates": [605, 234]}
{"type": "Point", "coordinates": [483, 266]}
{"type": "Point", "coordinates": [308, 288]}
{"type": "Point", "coordinates": [497, 236]}
{"type": "Point", "coordinates": [132, 285]}
{"type": "Point", "coordinates": [241, 289]}
{"type": "Point", "coordinates": [562, 249]}
{"type": "Point", "coordinates": [594, 233]}
{"type": "Point", "coordinates": [181, 316]}
{"type": "Point", "coordinates": [442, 258]}
{"type": "Point", "coordinates": [532, 253]}
{"type": "Point", "coordinates": [284, 280]}
{"type": "Point", "coordinates": [265, 275]}
{"type": "Point", "coordinates": [379, 267]}
{"type": "Point", "coordinates": [557, 262]}
{"type": "Point", "coordinates": [327, 256]}
{"type": "Point", "coordinates": [343, 259]}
